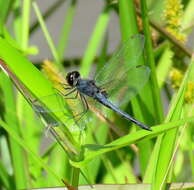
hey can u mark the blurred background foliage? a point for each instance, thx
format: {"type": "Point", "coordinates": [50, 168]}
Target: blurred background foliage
{"type": "Point", "coordinates": [35, 155]}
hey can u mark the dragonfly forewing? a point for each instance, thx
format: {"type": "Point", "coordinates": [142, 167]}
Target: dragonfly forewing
{"type": "Point", "coordinates": [126, 57]}
{"type": "Point", "coordinates": [69, 109]}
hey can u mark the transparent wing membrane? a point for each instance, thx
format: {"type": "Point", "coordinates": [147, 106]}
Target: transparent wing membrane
{"type": "Point", "coordinates": [126, 57]}
{"type": "Point", "coordinates": [69, 108]}
{"type": "Point", "coordinates": [124, 76]}
{"type": "Point", "coordinates": [125, 87]}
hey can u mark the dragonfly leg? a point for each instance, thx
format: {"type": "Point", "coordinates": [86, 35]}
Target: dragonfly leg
{"type": "Point", "coordinates": [79, 115]}
{"type": "Point", "coordinates": [70, 92]}
{"type": "Point", "coordinates": [67, 86]}
{"type": "Point", "coordinates": [63, 84]}
{"type": "Point", "coordinates": [65, 95]}
{"type": "Point", "coordinates": [75, 97]}
{"type": "Point", "coordinates": [85, 110]}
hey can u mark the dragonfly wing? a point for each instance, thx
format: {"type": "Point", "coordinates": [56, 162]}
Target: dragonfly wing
{"type": "Point", "coordinates": [123, 76]}
{"type": "Point", "coordinates": [124, 88]}
{"type": "Point", "coordinates": [126, 57]}
{"type": "Point", "coordinates": [70, 107]}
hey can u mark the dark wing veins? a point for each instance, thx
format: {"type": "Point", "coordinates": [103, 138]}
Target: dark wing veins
{"type": "Point", "coordinates": [100, 90]}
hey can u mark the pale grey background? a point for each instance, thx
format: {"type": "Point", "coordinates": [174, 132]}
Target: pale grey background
{"type": "Point", "coordinates": [86, 15]}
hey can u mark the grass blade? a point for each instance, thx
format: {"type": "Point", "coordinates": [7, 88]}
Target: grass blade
{"type": "Point", "coordinates": [46, 34]}
{"type": "Point", "coordinates": [166, 142]}
{"type": "Point", "coordinates": [95, 150]}
{"type": "Point", "coordinates": [64, 36]}
{"type": "Point", "coordinates": [94, 42]}
{"type": "Point", "coordinates": [17, 154]}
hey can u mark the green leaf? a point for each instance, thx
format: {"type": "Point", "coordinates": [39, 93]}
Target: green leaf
{"type": "Point", "coordinates": [92, 150]}
{"type": "Point", "coordinates": [164, 66]}
{"type": "Point", "coordinates": [5, 179]}
{"type": "Point", "coordinates": [27, 148]}
{"type": "Point", "coordinates": [188, 16]}
{"type": "Point", "coordinates": [5, 5]}
{"type": "Point", "coordinates": [166, 143]}
{"type": "Point", "coordinates": [10, 116]}
{"type": "Point", "coordinates": [18, 67]}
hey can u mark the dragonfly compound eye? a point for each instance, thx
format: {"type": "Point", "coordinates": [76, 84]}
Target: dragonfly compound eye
{"type": "Point", "coordinates": [76, 74]}
{"type": "Point", "coordinates": [72, 78]}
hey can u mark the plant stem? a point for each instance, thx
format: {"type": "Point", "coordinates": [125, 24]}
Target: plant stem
{"type": "Point", "coordinates": [150, 60]}
{"type": "Point", "coordinates": [66, 29]}
{"type": "Point", "coordinates": [25, 24]}
{"type": "Point", "coordinates": [75, 177]}
{"type": "Point", "coordinates": [47, 14]}
{"type": "Point", "coordinates": [46, 33]}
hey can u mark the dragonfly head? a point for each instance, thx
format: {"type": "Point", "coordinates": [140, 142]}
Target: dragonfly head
{"type": "Point", "coordinates": [72, 78]}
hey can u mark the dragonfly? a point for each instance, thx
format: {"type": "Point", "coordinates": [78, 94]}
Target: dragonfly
{"type": "Point", "coordinates": [114, 84]}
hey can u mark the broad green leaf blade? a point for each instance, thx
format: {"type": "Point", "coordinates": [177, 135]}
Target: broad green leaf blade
{"type": "Point", "coordinates": [166, 142]}
{"type": "Point", "coordinates": [93, 150]}
{"type": "Point", "coordinates": [18, 67]}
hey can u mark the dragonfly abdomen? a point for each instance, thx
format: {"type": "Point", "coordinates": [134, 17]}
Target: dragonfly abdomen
{"type": "Point", "coordinates": [103, 100]}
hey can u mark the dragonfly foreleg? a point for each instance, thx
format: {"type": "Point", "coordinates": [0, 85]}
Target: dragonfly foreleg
{"type": "Point", "coordinates": [65, 95]}
{"type": "Point", "coordinates": [63, 84]}
{"type": "Point", "coordinates": [75, 97]}
{"type": "Point", "coordinates": [85, 110]}
{"type": "Point", "coordinates": [70, 92]}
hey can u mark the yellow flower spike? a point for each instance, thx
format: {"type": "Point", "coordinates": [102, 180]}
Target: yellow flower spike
{"type": "Point", "coordinates": [189, 94]}
{"type": "Point", "coordinates": [53, 74]}
{"type": "Point", "coordinates": [176, 77]}
{"type": "Point", "coordinates": [172, 15]}
{"type": "Point", "coordinates": [179, 36]}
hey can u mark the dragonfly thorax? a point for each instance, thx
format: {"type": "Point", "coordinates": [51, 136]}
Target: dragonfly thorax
{"type": "Point", "coordinates": [72, 78]}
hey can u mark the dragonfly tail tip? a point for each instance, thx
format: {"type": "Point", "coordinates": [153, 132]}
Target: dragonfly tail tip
{"type": "Point", "coordinates": [145, 127]}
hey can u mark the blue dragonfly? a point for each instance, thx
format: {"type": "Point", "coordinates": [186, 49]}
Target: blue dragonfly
{"type": "Point", "coordinates": [120, 79]}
